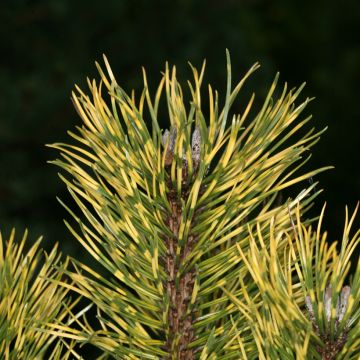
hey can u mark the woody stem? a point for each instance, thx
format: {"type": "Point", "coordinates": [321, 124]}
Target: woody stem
{"type": "Point", "coordinates": [180, 317]}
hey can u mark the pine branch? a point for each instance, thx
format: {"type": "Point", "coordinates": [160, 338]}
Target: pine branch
{"type": "Point", "coordinates": [166, 214]}
{"type": "Point", "coordinates": [30, 298]}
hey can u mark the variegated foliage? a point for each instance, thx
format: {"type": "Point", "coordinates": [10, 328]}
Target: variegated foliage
{"type": "Point", "coordinates": [30, 297]}
{"type": "Point", "coordinates": [299, 306]}
{"type": "Point", "coordinates": [171, 216]}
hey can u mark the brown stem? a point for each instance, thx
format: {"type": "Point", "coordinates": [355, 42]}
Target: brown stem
{"type": "Point", "coordinates": [180, 318]}
{"type": "Point", "coordinates": [332, 348]}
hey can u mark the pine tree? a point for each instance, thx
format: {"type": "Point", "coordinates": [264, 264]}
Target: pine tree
{"type": "Point", "coordinates": [202, 257]}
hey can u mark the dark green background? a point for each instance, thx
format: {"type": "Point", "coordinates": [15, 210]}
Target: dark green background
{"type": "Point", "coordinates": [47, 46]}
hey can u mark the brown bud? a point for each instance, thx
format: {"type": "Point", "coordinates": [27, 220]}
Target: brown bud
{"type": "Point", "coordinates": [196, 147]}
{"type": "Point", "coordinates": [169, 137]}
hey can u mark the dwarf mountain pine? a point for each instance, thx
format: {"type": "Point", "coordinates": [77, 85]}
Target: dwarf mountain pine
{"type": "Point", "coordinates": [203, 260]}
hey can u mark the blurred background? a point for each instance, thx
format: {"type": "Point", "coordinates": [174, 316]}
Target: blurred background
{"type": "Point", "coordinates": [47, 46]}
